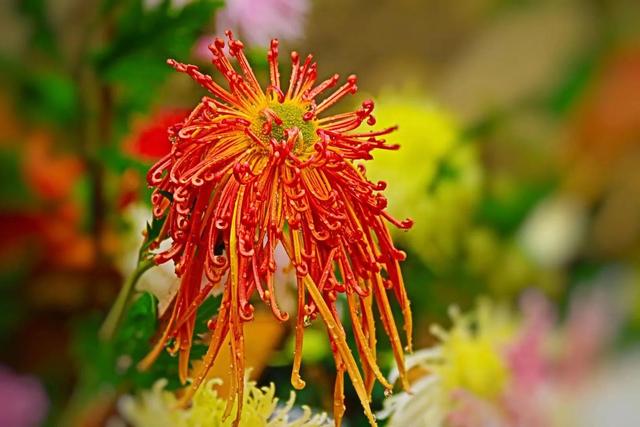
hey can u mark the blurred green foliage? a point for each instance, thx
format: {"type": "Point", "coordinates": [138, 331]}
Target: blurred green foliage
{"type": "Point", "coordinates": [87, 99]}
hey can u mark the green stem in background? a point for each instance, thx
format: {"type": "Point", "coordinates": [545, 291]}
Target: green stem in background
{"type": "Point", "coordinates": [119, 308]}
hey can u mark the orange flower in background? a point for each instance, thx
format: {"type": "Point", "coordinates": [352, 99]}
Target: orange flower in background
{"type": "Point", "coordinates": [606, 127]}
{"type": "Point", "coordinates": [56, 224]}
{"type": "Point", "coordinates": [250, 169]}
{"type": "Point", "coordinates": [49, 174]}
{"type": "Point", "coordinates": [609, 118]}
{"type": "Point", "coordinates": [604, 152]}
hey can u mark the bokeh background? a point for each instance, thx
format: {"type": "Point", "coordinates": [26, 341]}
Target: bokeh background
{"type": "Point", "coordinates": [519, 162]}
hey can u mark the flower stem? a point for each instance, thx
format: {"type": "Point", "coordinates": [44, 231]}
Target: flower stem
{"type": "Point", "coordinates": [119, 308]}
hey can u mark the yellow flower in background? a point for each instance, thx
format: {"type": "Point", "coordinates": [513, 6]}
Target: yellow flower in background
{"type": "Point", "coordinates": [472, 351]}
{"type": "Point", "coordinates": [469, 358]}
{"type": "Point", "coordinates": [159, 408]}
{"type": "Point", "coordinates": [435, 178]}
{"type": "Point", "coordinates": [426, 136]}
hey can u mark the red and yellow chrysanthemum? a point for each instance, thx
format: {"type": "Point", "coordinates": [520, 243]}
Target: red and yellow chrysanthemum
{"type": "Point", "coordinates": [250, 169]}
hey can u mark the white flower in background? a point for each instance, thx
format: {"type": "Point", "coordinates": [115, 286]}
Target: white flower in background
{"type": "Point", "coordinates": [160, 281]}
{"type": "Point", "coordinates": [426, 405]}
{"type": "Point", "coordinates": [554, 231]}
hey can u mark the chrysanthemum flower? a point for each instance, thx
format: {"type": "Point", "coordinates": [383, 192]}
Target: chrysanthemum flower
{"type": "Point", "coordinates": [469, 361]}
{"type": "Point", "coordinates": [250, 168]}
{"type": "Point", "coordinates": [157, 408]}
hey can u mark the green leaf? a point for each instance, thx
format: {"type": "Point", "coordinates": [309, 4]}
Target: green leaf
{"type": "Point", "coordinates": [135, 60]}
{"type": "Point", "coordinates": [114, 362]}
{"type": "Point", "coordinates": [154, 227]}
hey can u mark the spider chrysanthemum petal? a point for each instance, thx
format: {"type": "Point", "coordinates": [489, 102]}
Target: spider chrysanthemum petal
{"type": "Point", "coordinates": [250, 169]}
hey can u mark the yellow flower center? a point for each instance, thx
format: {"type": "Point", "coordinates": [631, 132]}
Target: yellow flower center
{"type": "Point", "coordinates": [277, 118]}
{"type": "Point", "coordinates": [474, 364]}
{"type": "Point", "coordinates": [472, 351]}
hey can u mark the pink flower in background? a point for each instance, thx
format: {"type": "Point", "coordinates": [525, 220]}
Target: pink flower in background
{"type": "Point", "coordinates": [524, 401]}
{"type": "Point", "coordinates": [590, 327]}
{"type": "Point", "coordinates": [24, 401]}
{"type": "Point", "coordinates": [525, 356]}
{"type": "Point", "coordinates": [472, 411]}
{"type": "Point", "coordinates": [260, 21]}
{"type": "Point", "coordinates": [257, 22]}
